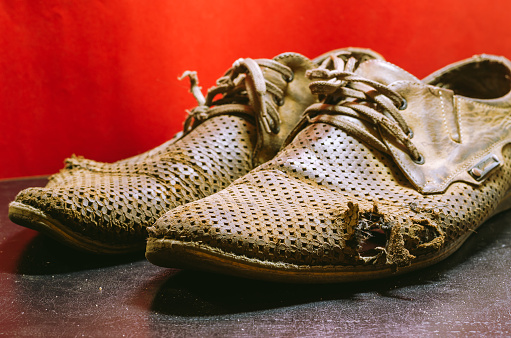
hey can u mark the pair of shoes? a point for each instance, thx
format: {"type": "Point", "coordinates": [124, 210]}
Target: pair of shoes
{"type": "Point", "coordinates": [241, 123]}
{"type": "Point", "coordinates": [383, 174]}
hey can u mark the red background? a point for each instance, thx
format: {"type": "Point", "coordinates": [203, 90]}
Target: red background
{"type": "Point", "coordinates": [99, 78]}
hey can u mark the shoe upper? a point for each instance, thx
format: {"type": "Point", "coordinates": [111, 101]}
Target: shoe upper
{"type": "Point", "coordinates": [386, 170]}
{"type": "Point", "coordinates": [240, 123]}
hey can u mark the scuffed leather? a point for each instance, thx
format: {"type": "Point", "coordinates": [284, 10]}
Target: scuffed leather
{"type": "Point", "coordinates": [335, 203]}
{"type": "Point", "coordinates": [451, 131]}
{"type": "Point", "coordinates": [295, 101]}
{"type": "Point", "coordinates": [384, 72]}
{"type": "Point", "coordinates": [268, 144]}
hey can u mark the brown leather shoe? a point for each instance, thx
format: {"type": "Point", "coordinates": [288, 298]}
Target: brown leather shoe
{"type": "Point", "coordinates": [241, 123]}
{"type": "Point", "coordinates": [386, 175]}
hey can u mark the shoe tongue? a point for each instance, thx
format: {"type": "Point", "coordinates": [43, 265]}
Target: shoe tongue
{"type": "Point", "coordinates": [383, 72]}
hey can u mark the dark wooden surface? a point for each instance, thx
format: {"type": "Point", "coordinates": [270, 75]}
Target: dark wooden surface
{"type": "Point", "coordinates": [49, 290]}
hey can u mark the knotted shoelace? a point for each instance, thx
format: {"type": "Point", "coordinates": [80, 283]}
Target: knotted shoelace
{"type": "Point", "coordinates": [343, 92]}
{"type": "Point", "coordinates": [241, 92]}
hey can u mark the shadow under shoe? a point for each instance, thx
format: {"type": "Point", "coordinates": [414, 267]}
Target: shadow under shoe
{"type": "Point", "coordinates": [185, 293]}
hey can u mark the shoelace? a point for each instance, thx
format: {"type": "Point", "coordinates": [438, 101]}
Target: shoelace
{"type": "Point", "coordinates": [242, 90]}
{"type": "Point", "coordinates": [345, 93]}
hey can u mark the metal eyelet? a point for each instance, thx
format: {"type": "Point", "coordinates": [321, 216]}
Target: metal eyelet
{"type": "Point", "coordinates": [404, 104]}
{"type": "Point", "coordinates": [278, 102]}
{"type": "Point", "coordinates": [420, 160]}
{"type": "Point", "coordinates": [290, 78]}
{"type": "Point", "coordinates": [410, 133]}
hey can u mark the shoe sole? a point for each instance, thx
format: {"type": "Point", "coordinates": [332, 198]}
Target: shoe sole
{"type": "Point", "coordinates": [33, 218]}
{"type": "Point", "coordinates": [198, 256]}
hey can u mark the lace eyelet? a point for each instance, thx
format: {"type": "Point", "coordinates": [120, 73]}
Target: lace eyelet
{"type": "Point", "coordinates": [420, 160]}
{"type": "Point", "coordinates": [278, 102]}
{"type": "Point", "coordinates": [404, 104]}
{"type": "Point", "coordinates": [410, 133]}
{"type": "Point", "coordinates": [290, 78]}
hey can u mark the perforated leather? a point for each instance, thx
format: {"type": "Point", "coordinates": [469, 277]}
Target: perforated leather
{"type": "Point", "coordinates": [295, 208]}
{"type": "Point", "coordinates": [116, 201]}
{"type": "Point", "coordinates": [332, 200]}
{"type": "Point", "coordinates": [113, 203]}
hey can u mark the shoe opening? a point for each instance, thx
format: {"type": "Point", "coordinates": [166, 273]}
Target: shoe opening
{"type": "Point", "coordinates": [480, 79]}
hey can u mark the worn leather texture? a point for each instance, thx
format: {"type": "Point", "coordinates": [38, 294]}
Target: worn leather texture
{"type": "Point", "coordinates": [291, 107]}
{"type": "Point", "coordinates": [345, 196]}
{"type": "Point", "coordinates": [113, 203]}
{"type": "Point", "coordinates": [454, 132]}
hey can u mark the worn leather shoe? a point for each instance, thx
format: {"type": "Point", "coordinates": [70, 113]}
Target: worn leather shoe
{"type": "Point", "coordinates": [387, 174]}
{"type": "Point", "coordinates": [241, 123]}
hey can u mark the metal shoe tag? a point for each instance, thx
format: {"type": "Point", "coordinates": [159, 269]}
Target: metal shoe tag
{"type": "Point", "coordinates": [483, 168]}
